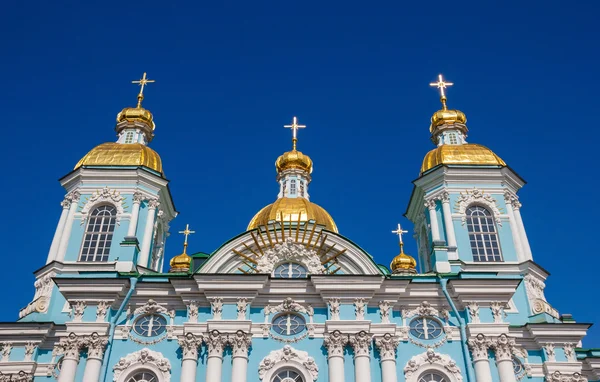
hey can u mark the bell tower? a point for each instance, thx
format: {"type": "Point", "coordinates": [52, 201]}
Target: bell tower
{"type": "Point", "coordinates": [464, 204]}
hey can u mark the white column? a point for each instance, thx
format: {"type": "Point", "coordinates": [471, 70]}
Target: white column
{"type": "Point", "coordinates": [524, 240]}
{"type": "Point", "coordinates": [503, 347]}
{"type": "Point", "coordinates": [335, 343]}
{"type": "Point", "coordinates": [435, 228]}
{"type": "Point", "coordinates": [189, 347]}
{"type": "Point", "coordinates": [66, 203]}
{"type": "Point", "coordinates": [70, 348]}
{"type": "Point", "coordinates": [361, 343]}
{"type": "Point", "coordinates": [135, 212]}
{"type": "Point", "coordinates": [479, 349]}
{"type": "Point", "coordinates": [66, 234]}
{"type": "Point", "coordinates": [514, 227]}
{"type": "Point", "coordinates": [93, 365]}
{"type": "Point", "coordinates": [214, 364]}
{"type": "Point", "coordinates": [387, 345]}
{"type": "Point", "coordinates": [239, 342]}
{"type": "Point", "coordinates": [147, 240]}
{"type": "Point", "coordinates": [447, 212]}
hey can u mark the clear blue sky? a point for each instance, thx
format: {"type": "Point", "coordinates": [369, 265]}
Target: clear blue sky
{"type": "Point", "coordinates": [230, 74]}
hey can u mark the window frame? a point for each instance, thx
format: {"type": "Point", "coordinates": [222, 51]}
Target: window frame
{"type": "Point", "coordinates": [483, 239]}
{"type": "Point", "coordinates": [425, 319]}
{"type": "Point", "coordinates": [290, 264]}
{"type": "Point", "coordinates": [142, 316]}
{"type": "Point", "coordinates": [90, 233]}
{"type": "Point", "coordinates": [289, 314]}
{"type": "Point", "coordinates": [299, 377]}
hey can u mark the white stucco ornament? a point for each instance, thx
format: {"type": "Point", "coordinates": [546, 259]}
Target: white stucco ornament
{"type": "Point", "coordinates": [290, 251]}
{"type": "Point", "coordinates": [288, 355]}
{"type": "Point", "coordinates": [476, 196]}
{"type": "Point", "coordinates": [105, 195]}
{"type": "Point", "coordinates": [146, 359]}
{"type": "Point", "coordinates": [428, 359]}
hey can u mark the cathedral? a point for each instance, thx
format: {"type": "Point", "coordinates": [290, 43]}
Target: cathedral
{"type": "Point", "coordinates": [292, 299]}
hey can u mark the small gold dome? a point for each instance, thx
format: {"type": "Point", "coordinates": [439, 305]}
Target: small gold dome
{"type": "Point", "coordinates": [117, 154]}
{"type": "Point", "coordinates": [447, 116]}
{"type": "Point", "coordinates": [294, 160]}
{"type": "Point", "coordinates": [180, 263]}
{"type": "Point", "coordinates": [287, 209]}
{"type": "Point", "coordinates": [139, 114]}
{"type": "Point", "coordinates": [466, 154]}
{"type": "Point", "coordinates": [403, 263]}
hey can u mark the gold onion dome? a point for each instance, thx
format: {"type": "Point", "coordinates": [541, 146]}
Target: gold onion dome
{"type": "Point", "coordinates": [180, 263]}
{"type": "Point", "coordinates": [294, 210]}
{"type": "Point", "coordinates": [465, 154]}
{"type": "Point", "coordinates": [447, 116]}
{"type": "Point", "coordinates": [122, 154]}
{"type": "Point", "coordinates": [403, 263]}
{"type": "Point", "coordinates": [136, 114]}
{"type": "Point", "coordinates": [294, 160]}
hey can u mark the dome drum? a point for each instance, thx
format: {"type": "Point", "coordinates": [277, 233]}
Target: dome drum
{"type": "Point", "coordinates": [145, 127]}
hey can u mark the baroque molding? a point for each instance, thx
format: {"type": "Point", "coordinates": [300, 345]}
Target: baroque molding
{"type": "Point", "coordinates": [6, 350]}
{"type": "Point", "coordinates": [151, 307]}
{"type": "Point", "coordinates": [215, 343]}
{"type": "Point", "coordinates": [476, 196]}
{"type": "Point", "coordinates": [425, 309]}
{"type": "Point", "coordinates": [216, 307]}
{"type": "Point", "coordinates": [479, 347]}
{"type": "Point", "coordinates": [240, 342]}
{"type": "Point", "coordinates": [361, 343]}
{"type": "Point", "coordinates": [78, 310]}
{"type": "Point", "coordinates": [512, 199]}
{"type": "Point", "coordinates": [71, 346]}
{"type": "Point", "coordinates": [189, 344]}
{"type": "Point", "coordinates": [504, 347]}
{"type": "Point", "coordinates": [430, 357]}
{"type": "Point", "coordinates": [192, 311]}
{"type": "Point", "coordinates": [384, 311]}
{"type": "Point", "coordinates": [101, 311]}
{"type": "Point", "coordinates": [288, 354]}
{"type": "Point", "coordinates": [334, 343]}
{"type": "Point", "coordinates": [550, 352]}
{"type": "Point", "coordinates": [387, 345]}
{"type": "Point", "coordinates": [41, 298]}
{"type": "Point", "coordinates": [29, 351]}
{"type": "Point", "coordinates": [557, 376]}
{"type": "Point", "coordinates": [289, 305]}
{"type": "Point", "coordinates": [21, 376]}
{"type": "Point", "coordinates": [334, 308]}
{"type": "Point", "coordinates": [95, 345]}
{"type": "Point", "coordinates": [359, 308]}
{"type": "Point", "coordinates": [242, 307]}
{"type": "Point", "coordinates": [473, 309]}
{"type": "Point", "coordinates": [105, 195]}
{"type": "Point", "coordinates": [290, 251]}
{"type": "Point", "coordinates": [569, 350]}
{"type": "Point", "coordinates": [498, 311]}
{"type": "Point", "coordinates": [144, 357]}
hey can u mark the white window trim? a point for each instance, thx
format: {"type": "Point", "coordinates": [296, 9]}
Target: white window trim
{"type": "Point", "coordinates": [141, 360]}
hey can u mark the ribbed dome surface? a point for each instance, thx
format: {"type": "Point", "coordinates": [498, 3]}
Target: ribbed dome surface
{"type": "Point", "coordinates": [117, 154]}
{"type": "Point", "coordinates": [287, 209]}
{"type": "Point", "coordinates": [467, 154]}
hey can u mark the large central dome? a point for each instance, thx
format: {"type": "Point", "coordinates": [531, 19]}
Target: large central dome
{"type": "Point", "coordinates": [293, 209]}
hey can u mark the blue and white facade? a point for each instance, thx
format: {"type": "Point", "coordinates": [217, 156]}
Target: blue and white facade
{"type": "Point", "coordinates": [291, 301]}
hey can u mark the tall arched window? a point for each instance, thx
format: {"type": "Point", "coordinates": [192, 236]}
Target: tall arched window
{"type": "Point", "coordinates": [98, 234]}
{"type": "Point", "coordinates": [482, 234]}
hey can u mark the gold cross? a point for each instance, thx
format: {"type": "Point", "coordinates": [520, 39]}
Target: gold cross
{"type": "Point", "coordinates": [186, 232]}
{"type": "Point", "coordinates": [441, 84]}
{"type": "Point", "coordinates": [399, 231]}
{"type": "Point", "coordinates": [294, 126]}
{"type": "Point", "coordinates": [142, 82]}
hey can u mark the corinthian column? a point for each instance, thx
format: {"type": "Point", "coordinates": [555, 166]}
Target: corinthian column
{"type": "Point", "coordinates": [361, 343]}
{"type": "Point", "coordinates": [66, 203]}
{"type": "Point", "coordinates": [189, 348]}
{"type": "Point", "coordinates": [503, 347]}
{"type": "Point", "coordinates": [95, 345]}
{"type": "Point", "coordinates": [387, 345]}
{"type": "Point", "coordinates": [435, 228]}
{"type": "Point", "coordinates": [524, 241]}
{"type": "Point", "coordinates": [239, 342]}
{"type": "Point", "coordinates": [214, 365]}
{"type": "Point", "coordinates": [335, 343]}
{"type": "Point", "coordinates": [135, 212]}
{"type": "Point", "coordinates": [73, 198]}
{"type": "Point", "coordinates": [450, 235]}
{"type": "Point", "coordinates": [69, 347]}
{"type": "Point", "coordinates": [147, 240]}
{"type": "Point", "coordinates": [479, 348]}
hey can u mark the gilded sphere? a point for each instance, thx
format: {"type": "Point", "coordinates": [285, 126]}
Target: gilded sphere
{"type": "Point", "coordinates": [294, 160]}
{"type": "Point", "coordinates": [447, 116]}
{"type": "Point", "coordinates": [403, 263]}
{"type": "Point", "coordinates": [466, 154]}
{"type": "Point", "coordinates": [119, 154]}
{"type": "Point", "coordinates": [180, 263]}
{"type": "Point", "coordinates": [287, 209]}
{"type": "Point", "coordinates": [133, 114]}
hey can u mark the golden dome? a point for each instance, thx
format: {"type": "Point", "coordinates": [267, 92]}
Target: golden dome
{"type": "Point", "coordinates": [466, 154]}
{"type": "Point", "coordinates": [139, 114]}
{"type": "Point", "coordinates": [287, 209]}
{"type": "Point", "coordinates": [294, 160]}
{"type": "Point", "coordinates": [180, 263]}
{"type": "Point", "coordinates": [403, 263]}
{"type": "Point", "coordinates": [118, 154]}
{"type": "Point", "coordinates": [447, 116]}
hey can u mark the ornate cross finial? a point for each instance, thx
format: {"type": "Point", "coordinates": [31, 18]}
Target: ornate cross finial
{"type": "Point", "coordinates": [399, 231]}
{"type": "Point", "coordinates": [142, 82]}
{"type": "Point", "coordinates": [294, 126]}
{"type": "Point", "coordinates": [441, 84]}
{"type": "Point", "coordinates": [186, 232]}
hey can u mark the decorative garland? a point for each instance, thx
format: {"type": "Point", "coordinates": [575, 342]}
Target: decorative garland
{"type": "Point", "coordinates": [151, 342]}
{"type": "Point", "coordinates": [430, 346]}
{"type": "Point", "coordinates": [288, 340]}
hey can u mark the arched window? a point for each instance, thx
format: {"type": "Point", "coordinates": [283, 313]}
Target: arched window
{"type": "Point", "coordinates": [98, 234]}
{"type": "Point", "coordinates": [290, 271]}
{"type": "Point", "coordinates": [432, 376]}
{"type": "Point", "coordinates": [288, 376]}
{"type": "Point", "coordinates": [482, 234]}
{"type": "Point", "coordinates": [143, 376]}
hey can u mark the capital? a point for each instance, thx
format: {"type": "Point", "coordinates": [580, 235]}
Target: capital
{"type": "Point", "coordinates": [189, 346]}
{"type": "Point", "coordinates": [95, 345]}
{"type": "Point", "coordinates": [215, 342]}
{"type": "Point", "coordinates": [479, 347]}
{"type": "Point", "coordinates": [387, 345]}
{"type": "Point", "coordinates": [361, 343]}
{"type": "Point", "coordinates": [430, 204]}
{"type": "Point", "coordinates": [138, 197]}
{"type": "Point", "coordinates": [71, 346]}
{"type": "Point", "coordinates": [444, 197]}
{"type": "Point", "coordinates": [239, 342]}
{"type": "Point", "coordinates": [153, 203]}
{"type": "Point", "coordinates": [503, 347]}
{"type": "Point", "coordinates": [334, 343]}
